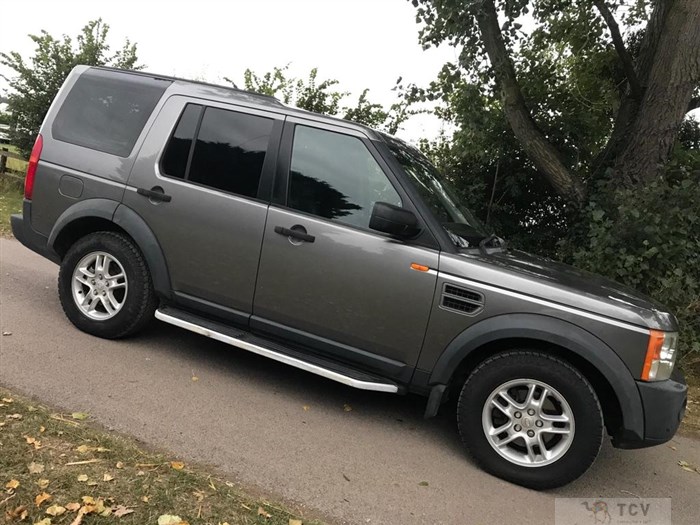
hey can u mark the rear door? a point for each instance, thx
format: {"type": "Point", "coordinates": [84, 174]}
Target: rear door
{"type": "Point", "coordinates": [346, 289]}
{"type": "Point", "coordinates": [198, 183]}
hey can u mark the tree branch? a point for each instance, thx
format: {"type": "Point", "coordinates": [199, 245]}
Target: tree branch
{"type": "Point", "coordinates": [545, 156]}
{"type": "Point", "coordinates": [625, 57]}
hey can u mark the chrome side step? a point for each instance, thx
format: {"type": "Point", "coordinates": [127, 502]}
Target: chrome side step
{"type": "Point", "coordinates": [246, 341]}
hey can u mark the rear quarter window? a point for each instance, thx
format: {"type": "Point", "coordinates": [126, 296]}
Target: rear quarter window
{"type": "Point", "coordinates": [107, 110]}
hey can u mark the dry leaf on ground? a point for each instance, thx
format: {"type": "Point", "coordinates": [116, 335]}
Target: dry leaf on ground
{"type": "Point", "coordinates": [295, 522]}
{"type": "Point", "coordinates": [12, 484]}
{"type": "Point", "coordinates": [168, 519]}
{"type": "Point", "coordinates": [73, 507]}
{"type": "Point", "coordinates": [35, 468]}
{"type": "Point", "coordinates": [264, 513]}
{"type": "Point", "coordinates": [107, 477]}
{"type": "Point", "coordinates": [41, 498]}
{"type": "Point", "coordinates": [82, 478]}
{"type": "Point", "coordinates": [121, 510]}
{"type": "Point", "coordinates": [45, 521]}
{"type": "Point", "coordinates": [55, 510]}
{"type": "Point", "coordinates": [177, 465]}
{"type": "Point", "coordinates": [80, 416]}
{"type": "Point", "coordinates": [43, 483]}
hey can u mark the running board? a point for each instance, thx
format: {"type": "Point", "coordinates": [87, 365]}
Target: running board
{"type": "Point", "coordinates": [247, 341]}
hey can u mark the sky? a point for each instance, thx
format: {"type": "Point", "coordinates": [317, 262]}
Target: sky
{"type": "Point", "coordinates": [361, 43]}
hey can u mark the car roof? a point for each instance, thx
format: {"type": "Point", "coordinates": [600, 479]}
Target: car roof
{"type": "Point", "coordinates": [219, 92]}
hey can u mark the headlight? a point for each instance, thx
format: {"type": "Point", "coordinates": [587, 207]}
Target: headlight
{"type": "Point", "coordinates": [661, 355]}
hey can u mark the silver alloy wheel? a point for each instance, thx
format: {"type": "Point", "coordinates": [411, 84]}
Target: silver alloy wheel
{"type": "Point", "coordinates": [528, 422]}
{"type": "Point", "coordinates": [99, 285]}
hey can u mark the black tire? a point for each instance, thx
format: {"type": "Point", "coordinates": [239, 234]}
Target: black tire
{"type": "Point", "coordinates": [567, 381]}
{"type": "Point", "coordinates": [140, 301]}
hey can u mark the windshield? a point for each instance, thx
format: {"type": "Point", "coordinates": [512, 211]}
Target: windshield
{"type": "Point", "coordinates": [465, 230]}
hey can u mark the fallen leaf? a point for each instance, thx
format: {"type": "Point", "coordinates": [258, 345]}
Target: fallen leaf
{"type": "Point", "coordinates": [14, 416]}
{"type": "Point", "coordinates": [12, 484]}
{"type": "Point", "coordinates": [121, 510]}
{"type": "Point", "coordinates": [41, 498]}
{"type": "Point", "coordinates": [199, 495]}
{"type": "Point", "coordinates": [140, 473]}
{"type": "Point", "coordinates": [168, 519]}
{"type": "Point", "coordinates": [177, 465]}
{"type": "Point", "coordinates": [145, 499]}
{"type": "Point", "coordinates": [42, 429]}
{"type": "Point", "coordinates": [423, 484]}
{"type": "Point", "coordinates": [74, 506]}
{"type": "Point", "coordinates": [195, 378]}
{"type": "Point", "coordinates": [79, 518]}
{"type": "Point", "coordinates": [347, 408]}
{"type": "Point", "coordinates": [107, 477]}
{"type": "Point", "coordinates": [80, 416]}
{"type": "Point", "coordinates": [35, 468]}
{"type": "Point", "coordinates": [43, 483]}
{"type": "Point", "coordinates": [82, 478]}
{"type": "Point", "coordinates": [263, 512]}
{"type": "Point", "coordinates": [7, 400]}
{"type": "Point", "coordinates": [55, 510]}
{"type": "Point", "coordinates": [33, 441]}
{"type": "Point", "coordinates": [45, 521]}
{"type": "Point", "coordinates": [83, 449]}
{"type": "Point", "coordinates": [294, 522]}
{"type": "Point", "coordinates": [119, 464]}
{"type": "Point", "coordinates": [32, 409]}
{"type": "Point", "coordinates": [102, 449]}
{"type": "Point", "coordinates": [20, 512]}
{"type": "Point", "coordinates": [7, 333]}
{"type": "Point", "coordinates": [306, 408]}
{"type": "Point", "coordinates": [92, 483]}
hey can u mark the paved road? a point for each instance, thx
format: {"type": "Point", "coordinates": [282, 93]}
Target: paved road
{"type": "Point", "coordinates": [245, 415]}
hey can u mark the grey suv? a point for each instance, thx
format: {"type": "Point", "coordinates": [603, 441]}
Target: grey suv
{"type": "Point", "coordinates": [339, 250]}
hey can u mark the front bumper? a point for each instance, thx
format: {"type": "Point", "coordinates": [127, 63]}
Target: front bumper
{"type": "Point", "coordinates": [664, 405]}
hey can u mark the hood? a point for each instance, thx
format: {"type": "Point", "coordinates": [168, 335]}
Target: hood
{"type": "Point", "coordinates": [564, 284]}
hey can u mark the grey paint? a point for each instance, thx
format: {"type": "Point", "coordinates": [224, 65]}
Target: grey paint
{"type": "Point", "coordinates": [351, 286]}
{"type": "Point", "coordinates": [210, 239]}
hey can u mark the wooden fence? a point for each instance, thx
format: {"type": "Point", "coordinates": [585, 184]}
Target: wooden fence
{"type": "Point", "coordinates": [7, 154]}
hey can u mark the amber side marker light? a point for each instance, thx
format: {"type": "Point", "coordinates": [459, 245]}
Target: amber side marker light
{"type": "Point", "coordinates": [419, 267]}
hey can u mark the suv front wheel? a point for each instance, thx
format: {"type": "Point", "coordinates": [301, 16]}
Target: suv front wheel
{"type": "Point", "coordinates": [530, 418]}
{"type": "Point", "coordinates": [105, 287]}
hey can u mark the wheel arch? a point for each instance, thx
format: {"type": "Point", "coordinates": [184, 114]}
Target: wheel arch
{"type": "Point", "coordinates": [607, 373]}
{"type": "Point", "coordinates": [93, 215]}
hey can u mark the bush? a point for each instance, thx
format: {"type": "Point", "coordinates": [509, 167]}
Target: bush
{"type": "Point", "coordinates": [648, 238]}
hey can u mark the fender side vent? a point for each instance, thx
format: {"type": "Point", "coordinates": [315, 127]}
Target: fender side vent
{"type": "Point", "coordinates": [461, 300]}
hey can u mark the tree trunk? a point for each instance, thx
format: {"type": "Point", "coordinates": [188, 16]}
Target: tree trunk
{"type": "Point", "coordinates": [544, 155]}
{"type": "Point", "coordinates": [673, 74]}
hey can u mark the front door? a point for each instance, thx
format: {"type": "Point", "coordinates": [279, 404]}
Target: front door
{"type": "Point", "coordinates": [340, 286]}
{"type": "Point", "coordinates": [208, 160]}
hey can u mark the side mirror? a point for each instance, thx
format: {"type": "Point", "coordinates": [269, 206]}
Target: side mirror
{"type": "Point", "coordinates": [393, 220]}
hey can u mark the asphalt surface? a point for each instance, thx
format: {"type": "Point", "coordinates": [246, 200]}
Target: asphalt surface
{"type": "Point", "coordinates": [285, 432]}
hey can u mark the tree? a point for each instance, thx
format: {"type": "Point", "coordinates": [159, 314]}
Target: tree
{"type": "Point", "coordinates": [38, 79]}
{"type": "Point", "coordinates": [322, 96]}
{"type": "Point", "coordinates": [659, 70]}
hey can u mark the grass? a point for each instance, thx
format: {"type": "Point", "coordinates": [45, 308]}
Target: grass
{"type": "Point", "coordinates": [63, 468]}
{"type": "Point", "coordinates": [11, 195]}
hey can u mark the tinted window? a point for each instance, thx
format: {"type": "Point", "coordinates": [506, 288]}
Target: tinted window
{"type": "Point", "coordinates": [230, 150]}
{"type": "Point", "coordinates": [107, 110]}
{"type": "Point", "coordinates": [335, 176]}
{"type": "Point", "coordinates": [178, 150]}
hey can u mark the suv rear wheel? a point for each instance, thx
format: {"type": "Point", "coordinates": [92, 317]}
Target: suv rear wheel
{"type": "Point", "coordinates": [105, 287]}
{"type": "Point", "coordinates": [531, 419]}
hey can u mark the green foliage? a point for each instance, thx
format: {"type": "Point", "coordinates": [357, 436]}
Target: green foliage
{"type": "Point", "coordinates": [649, 239]}
{"type": "Point", "coordinates": [322, 96]}
{"type": "Point", "coordinates": [38, 79]}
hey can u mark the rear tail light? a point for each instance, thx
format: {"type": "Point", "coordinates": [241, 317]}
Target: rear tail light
{"type": "Point", "coordinates": [31, 168]}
